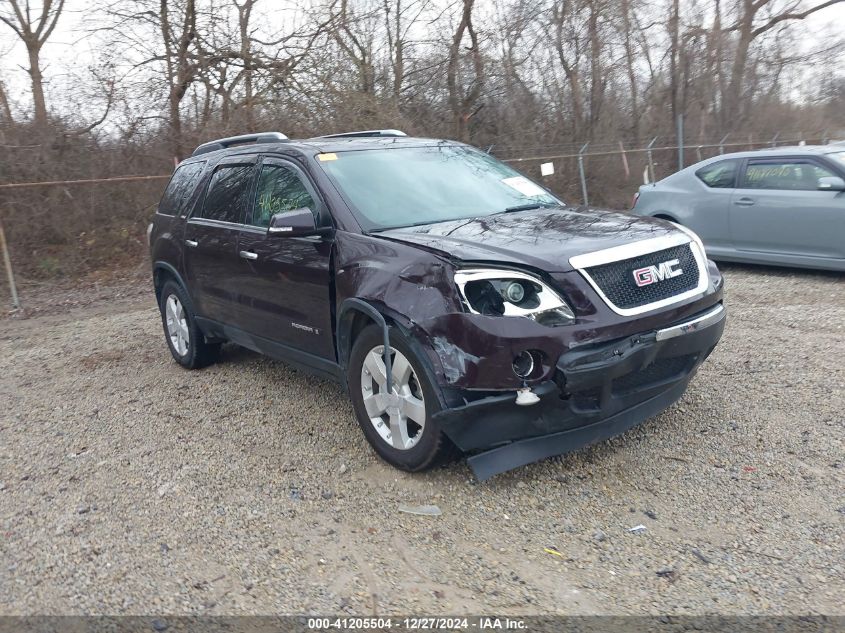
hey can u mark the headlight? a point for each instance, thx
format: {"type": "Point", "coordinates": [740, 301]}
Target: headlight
{"type": "Point", "coordinates": [494, 292]}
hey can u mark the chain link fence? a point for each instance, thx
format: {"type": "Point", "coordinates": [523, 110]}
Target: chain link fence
{"type": "Point", "coordinates": [601, 173]}
{"type": "Point", "coordinates": [608, 174]}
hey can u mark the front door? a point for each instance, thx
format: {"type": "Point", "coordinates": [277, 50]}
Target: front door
{"type": "Point", "coordinates": [211, 240]}
{"type": "Point", "coordinates": [778, 208]}
{"type": "Point", "coordinates": [284, 282]}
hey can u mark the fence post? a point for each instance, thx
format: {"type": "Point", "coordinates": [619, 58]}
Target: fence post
{"type": "Point", "coordinates": [624, 161]}
{"type": "Point", "coordinates": [722, 144]}
{"type": "Point", "coordinates": [698, 153]}
{"type": "Point", "coordinates": [774, 141]}
{"type": "Point", "coordinates": [8, 262]}
{"type": "Point", "coordinates": [650, 161]}
{"type": "Point", "coordinates": [824, 137]}
{"type": "Point", "coordinates": [581, 173]}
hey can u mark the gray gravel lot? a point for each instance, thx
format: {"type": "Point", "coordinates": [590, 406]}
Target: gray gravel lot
{"type": "Point", "coordinates": [129, 485]}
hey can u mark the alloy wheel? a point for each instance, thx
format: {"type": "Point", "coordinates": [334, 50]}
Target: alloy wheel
{"type": "Point", "coordinates": [398, 416]}
{"type": "Point", "coordinates": [177, 325]}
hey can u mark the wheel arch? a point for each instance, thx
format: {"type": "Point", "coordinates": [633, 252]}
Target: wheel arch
{"type": "Point", "coordinates": [663, 215]}
{"type": "Point", "coordinates": [356, 314]}
{"type": "Point", "coordinates": [162, 272]}
{"type": "Point", "coordinates": [352, 317]}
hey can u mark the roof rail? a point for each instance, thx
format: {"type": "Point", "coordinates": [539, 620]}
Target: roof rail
{"type": "Point", "coordinates": [365, 133]}
{"type": "Point", "coordinates": [223, 143]}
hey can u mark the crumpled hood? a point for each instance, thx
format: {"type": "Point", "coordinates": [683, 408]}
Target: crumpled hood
{"type": "Point", "coordinates": [544, 239]}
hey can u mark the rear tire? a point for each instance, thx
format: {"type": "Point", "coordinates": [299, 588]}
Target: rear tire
{"type": "Point", "coordinates": [185, 340]}
{"type": "Point", "coordinates": [398, 426]}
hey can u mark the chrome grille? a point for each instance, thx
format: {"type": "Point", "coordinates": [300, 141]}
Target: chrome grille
{"type": "Point", "coordinates": [618, 282]}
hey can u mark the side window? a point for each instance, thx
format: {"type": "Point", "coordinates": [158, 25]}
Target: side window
{"type": "Point", "coordinates": [180, 188]}
{"type": "Point", "coordinates": [720, 175]}
{"type": "Point", "coordinates": [279, 189]}
{"type": "Point", "coordinates": [792, 175]}
{"type": "Point", "coordinates": [227, 193]}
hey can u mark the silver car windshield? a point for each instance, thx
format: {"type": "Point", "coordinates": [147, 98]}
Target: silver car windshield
{"type": "Point", "coordinates": [407, 186]}
{"type": "Point", "coordinates": [839, 157]}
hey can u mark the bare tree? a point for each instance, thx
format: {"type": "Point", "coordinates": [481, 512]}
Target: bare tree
{"type": "Point", "coordinates": [463, 100]}
{"type": "Point", "coordinates": [748, 27]}
{"type": "Point", "coordinates": [566, 39]}
{"type": "Point", "coordinates": [353, 30]}
{"type": "Point", "coordinates": [33, 31]}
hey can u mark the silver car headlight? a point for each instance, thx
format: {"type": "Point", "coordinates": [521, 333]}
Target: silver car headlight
{"type": "Point", "coordinates": [495, 292]}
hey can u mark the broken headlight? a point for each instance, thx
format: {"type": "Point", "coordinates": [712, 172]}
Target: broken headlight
{"type": "Point", "coordinates": [494, 292]}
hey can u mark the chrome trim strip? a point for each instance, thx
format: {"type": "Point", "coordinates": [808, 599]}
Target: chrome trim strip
{"type": "Point", "coordinates": [705, 320]}
{"type": "Point", "coordinates": [222, 224]}
{"type": "Point", "coordinates": [629, 251]}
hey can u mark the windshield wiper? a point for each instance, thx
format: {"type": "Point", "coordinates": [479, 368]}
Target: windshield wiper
{"type": "Point", "coordinates": [529, 207]}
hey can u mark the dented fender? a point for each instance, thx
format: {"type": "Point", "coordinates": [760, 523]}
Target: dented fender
{"type": "Point", "coordinates": [413, 288]}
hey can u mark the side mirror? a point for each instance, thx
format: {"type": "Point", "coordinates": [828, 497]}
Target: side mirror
{"type": "Point", "coordinates": [295, 223]}
{"type": "Point", "coordinates": [831, 183]}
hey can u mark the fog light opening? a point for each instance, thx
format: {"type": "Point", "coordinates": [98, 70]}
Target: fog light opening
{"type": "Point", "coordinates": [523, 364]}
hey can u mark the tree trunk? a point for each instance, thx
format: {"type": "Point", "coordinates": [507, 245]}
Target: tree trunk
{"type": "Point", "coordinates": [5, 109]}
{"type": "Point", "coordinates": [460, 102]}
{"type": "Point", "coordinates": [674, 60]}
{"type": "Point", "coordinates": [174, 100]}
{"type": "Point", "coordinates": [731, 116]}
{"type": "Point", "coordinates": [632, 76]}
{"type": "Point", "coordinates": [244, 14]}
{"type": "Point", "coordinates": [596, 75]}
{"type": "Point", "coordinates": [576, 100]}
{"type": "Point", "coordinates": [38, 102]}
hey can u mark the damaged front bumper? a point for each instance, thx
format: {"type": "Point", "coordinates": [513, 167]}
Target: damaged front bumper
{"type": "Point", "coordinates": [597, 391]}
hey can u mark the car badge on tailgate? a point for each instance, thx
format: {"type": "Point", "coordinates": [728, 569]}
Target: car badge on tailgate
{"type": "Point", "coordinates": [652, 274]}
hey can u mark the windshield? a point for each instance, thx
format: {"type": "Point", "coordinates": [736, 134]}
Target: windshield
{"type": "Point", "coordinates": [408, 186]}
{"type": "Point", "coordinates": [838, 157]}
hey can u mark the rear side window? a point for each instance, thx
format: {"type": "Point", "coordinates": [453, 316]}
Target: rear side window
{"type": "Point", "coordinates": [180, 188]}
{"type": "Point", "coordinates": [279, 189]}
{"type": "Point", "coordinates": [227, 194]}
{"type": "Point", "coordinates": [720, 175]}
{"type": "Point", "coordinates": [791, 175]}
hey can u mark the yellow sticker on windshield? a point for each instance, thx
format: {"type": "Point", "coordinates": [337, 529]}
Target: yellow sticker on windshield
{"type": "Point", "coordinates": [325, 157]}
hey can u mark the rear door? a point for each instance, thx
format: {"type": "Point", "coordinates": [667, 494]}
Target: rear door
{"type": "Point", "coordinates": [211, 239]}
{"type": "Point", "coordinates": [284, 283]}
{"type": "Point", "coordinates": [778, 208]}
{"type": "Point", "coordinates": [710, 209]}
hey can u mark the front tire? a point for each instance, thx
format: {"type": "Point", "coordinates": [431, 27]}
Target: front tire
{"type": "Point", "coordinates": [185, 340]}
{"type": "Point", "coordinates": [398, 425]}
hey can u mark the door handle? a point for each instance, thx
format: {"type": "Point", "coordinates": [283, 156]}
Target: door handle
{"type": "Point", "coordinates": [744, 202]}
{"type": "Point", "coordinates": [192, 243]}
{"type": "Point", "coordinates": [249, 255]}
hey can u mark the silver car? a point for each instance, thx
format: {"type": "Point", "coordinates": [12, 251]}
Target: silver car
{"type": "Point", "coordinates": [783, 206]}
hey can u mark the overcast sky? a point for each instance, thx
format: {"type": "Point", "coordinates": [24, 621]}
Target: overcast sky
{"type": "Point", "coordinates": [71, 50]}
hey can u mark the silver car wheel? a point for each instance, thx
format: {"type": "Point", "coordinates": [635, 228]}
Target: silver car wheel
{"type": "Point", "coordinates": [177, 325]}
{"type": "Point", "coordinates": [398, 417]}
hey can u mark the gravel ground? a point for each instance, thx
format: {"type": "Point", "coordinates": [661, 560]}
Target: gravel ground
{"type": "Point", "coordinates": [129, 485]}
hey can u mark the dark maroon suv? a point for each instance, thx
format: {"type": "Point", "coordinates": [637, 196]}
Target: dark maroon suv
{"type": "Point", "coordinates": [460, 304]}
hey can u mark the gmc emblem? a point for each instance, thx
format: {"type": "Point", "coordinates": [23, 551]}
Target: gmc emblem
{"type": "Point", "coordinates": [652, 274]}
